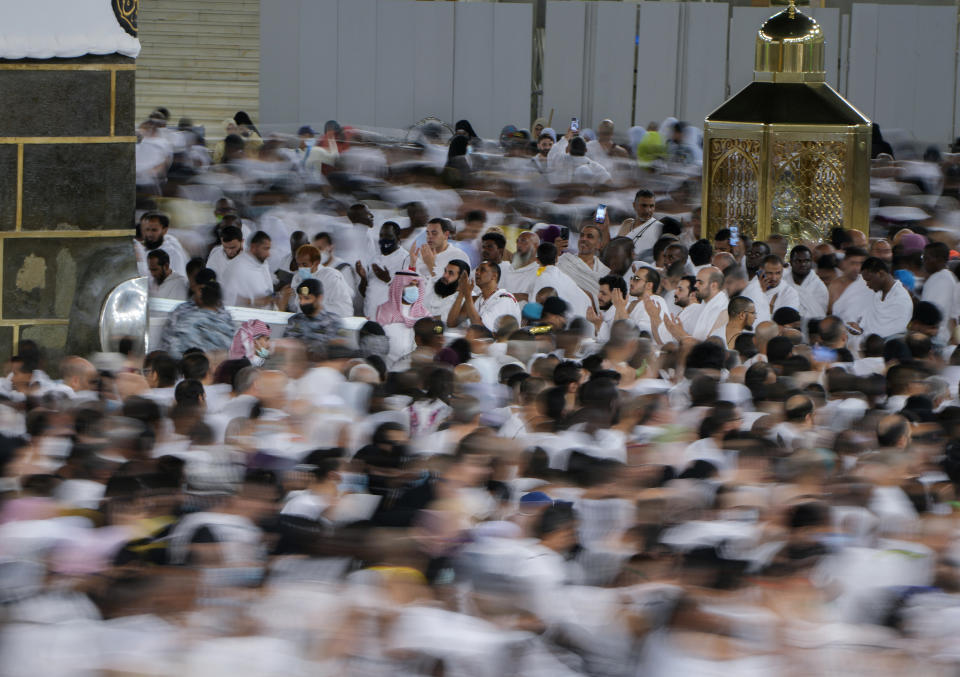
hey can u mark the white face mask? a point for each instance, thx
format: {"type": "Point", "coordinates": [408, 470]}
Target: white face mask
{"type": "Point", "coordinates": [325, 257]}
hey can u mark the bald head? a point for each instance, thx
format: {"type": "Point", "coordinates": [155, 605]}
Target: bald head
{"type": "Point", "coordinates": [77, 373]}
{"type": "Point", "coordinates": [709, 283]}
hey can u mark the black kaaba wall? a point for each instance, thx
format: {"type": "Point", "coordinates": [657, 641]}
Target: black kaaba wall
{"type": "Point", "coordinates": [66, 197]}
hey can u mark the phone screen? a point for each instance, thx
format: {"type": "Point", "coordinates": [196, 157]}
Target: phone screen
{"type": "Point", "coordinates": [601, 214]}
{"type": "Point", "coordinates": [574, 124]}
{"type": "Point", "coordinates": [734, 236]}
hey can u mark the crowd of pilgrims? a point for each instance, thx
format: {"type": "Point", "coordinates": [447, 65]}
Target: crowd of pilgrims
{"type": "Point", "coordinates": [516, 417]}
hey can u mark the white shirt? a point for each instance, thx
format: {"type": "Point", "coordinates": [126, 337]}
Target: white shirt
{"type": "Point", "coordinates": [439, 306]}
{"type": "Point", "coordinates": [754, 292]}
{"type": "Point", "coordinates": [782, 296]}
{"type": "Point", "coordinates": [812, 293]}
{"type": "Point", "coordinates": [378, 291]}
{"type": "Point", "coordinates": [704, 327]}
{"type": "Point", "coordinates": [586, 277]}
{"type": "Point", "coordinates": [246, 278]}
{"type": "Point", "coordinates": [173, 248]}
{"type": "Point", "coordinates": [890, 315]}
{"type": "Point", "coordinates": [442, 259]}
{"type": "Point", "coordinates": [499, 303]}
{"type": "Point", "coordinates": [641, 318]}
{"type": "Point", "coordinates": [565, 287]}
{"type": "Point", "coordinates": [217, 261]}
{"type": "Point", "coordinates": [851, 304]}
{"type": "Point", "coordinates": [644, 236]}
{"type": "Point", "coordinates": [173, 287]}
{"type": "Point", "coordinates": [518, 280]}
{"type": "Point", "coordinates": [940, 289]}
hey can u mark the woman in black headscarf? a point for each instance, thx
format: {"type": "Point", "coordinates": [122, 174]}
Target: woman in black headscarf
{"type": "Point", "coordinates": [458, 163]}
{"type": "Point", "coordinates": [464, 128]}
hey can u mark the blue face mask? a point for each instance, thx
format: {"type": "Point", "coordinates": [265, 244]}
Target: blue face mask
{"type": "Point", "coordinates": [410, 295]}
{"type": "Point", "coordinates": [305, 273]}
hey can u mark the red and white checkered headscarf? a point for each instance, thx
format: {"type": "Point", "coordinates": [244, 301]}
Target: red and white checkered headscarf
{"type": "Point", "coordinates": [243, 340]}
{"type": "Point", "coordinates": [391, 310]}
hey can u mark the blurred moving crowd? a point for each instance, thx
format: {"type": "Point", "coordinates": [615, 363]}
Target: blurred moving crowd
{"type": "Point", "coordinates": [431, 404]}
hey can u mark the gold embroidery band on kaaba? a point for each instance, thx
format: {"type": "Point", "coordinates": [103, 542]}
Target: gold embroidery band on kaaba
{"type": "Point", "coordinates": [126, 13]}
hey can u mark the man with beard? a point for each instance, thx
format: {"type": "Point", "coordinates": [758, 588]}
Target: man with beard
{"type": "Point", "coordinates": [585, 267]}
{"type": "Point", "coordinates": [375, 282]}
{"type": "Point", "coordinates": [164, 283]}
{"type": "Point", "coordinates": [849, 293]}
{"type": "Point", "coordinates": [777, 293]}
{"type": "Point", "coordinates": [645, 229]}
{"type": "Point", "coordinates": [644, 285]}
{"type": "Point", "coordinates": [755, 255]}
{"type": "Point", "coordinates": [519, 275]}
{"type": "Point", "coordinates": [612, 301]}
{"type": "Point", "coordinates": [685, 299]}
{"type": "Point", "coordinates": [248, 280]}
{"type": "Point", "coordinates": [811, 291]}
{"type": "Point", "coordinates": [487, 307]}
{"type": "Point", "coordinates": [741, 314]}
{"type": "Point", "coordinates": [153, 231]}
{"type": "Point", "coordinates": [231, 244]}
{"type": "Point", "coordinates": [441, 295]}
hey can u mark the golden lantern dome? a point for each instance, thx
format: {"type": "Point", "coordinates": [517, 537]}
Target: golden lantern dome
{"type": "Point", "coordinates": [790, 48]}
{"type": "Point", "coordinates": [787, 154]}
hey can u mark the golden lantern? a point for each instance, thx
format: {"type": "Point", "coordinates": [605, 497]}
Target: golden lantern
{"type": "Point", "coordinates": [787, 154]}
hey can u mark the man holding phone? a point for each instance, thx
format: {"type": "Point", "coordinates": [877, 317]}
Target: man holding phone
{"type": "Point", "coordinates": [585, 267]}
{"type": "Point", "coordinates": [644, 229]}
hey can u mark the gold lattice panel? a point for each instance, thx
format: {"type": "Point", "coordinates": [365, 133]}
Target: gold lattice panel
{"type": "Point", "coordinates": [734, 184]}
{"type": "Point", "coordinates": [809, 182]}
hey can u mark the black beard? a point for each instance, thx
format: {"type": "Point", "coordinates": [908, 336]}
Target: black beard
{"type": "Point", "coordinates": [150, 246]}
{"type": "Point", "coordinates": [606, 306]}
{"type": "Point", "coordinates": [443, 289]}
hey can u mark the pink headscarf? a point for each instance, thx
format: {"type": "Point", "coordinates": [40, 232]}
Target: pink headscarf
{"type": "Point", "coordinates": [391, 310]}
{"type": "Point", "coordinates": [243, 340]}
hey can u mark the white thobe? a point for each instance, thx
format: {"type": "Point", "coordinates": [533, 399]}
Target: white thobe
{"type": "Point", "coordinates": [173, 287]}
{"type": "Point", "coordinates": [709, 314]}
{"type": "Point", "coordinates": [812, 293]}
{"type": "Point", "coordinates": [246, 278]}
{"type": "Point", "coordinates": [853, 301]}
{"type": "Point", "coordinates": [754, 292]}
{"type": "Point", "coordinates": [491, 309]}
{"type": "Point", "coordinates": [518, 280]}
{"type": "Point", "coordinates": [217, 261]}
{"type": "Point", "coordinates": [449, 254]}
{"type": "Point", "coordinates": [888, 315]}
{"type": "Point", "coordinates": [586, 277]}
{"type": "Point", "coordinates": [566, 288]}
{"type": "Point", "coordinates": [940, 289]}
{"type": "Point", "coordinates": [644, 236]}
{"type": "Point", "coordinates": [782, 296]}
{"type": "Point", "coordinates": [640, 317]}
{"type": "Point", "coordinates": [173, 248]}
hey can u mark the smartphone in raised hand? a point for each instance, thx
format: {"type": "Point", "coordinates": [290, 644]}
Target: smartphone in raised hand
{"type": "Point", "coordinates": [575, 125]}
{"type": "Point", "coordinates": [601, 214]}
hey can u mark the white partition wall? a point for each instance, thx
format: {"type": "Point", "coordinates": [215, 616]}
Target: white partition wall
{"type": "Point", "coordinates": [902, 68]}
{"type": "Point", "coordinates": [432, 71]}
{"type": "Point", "coordinates": [491, 65]}
{"type": "Point", "coordinates": [657, 61]}
{"type": "Point", "coordinates": [610, 72]}
{"type": "Point", "coordinates": [389, 63]}
{"type": "Point", "coordinates": [702, 86]}
{"type": "Point", "coordinates": [563, 56]}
